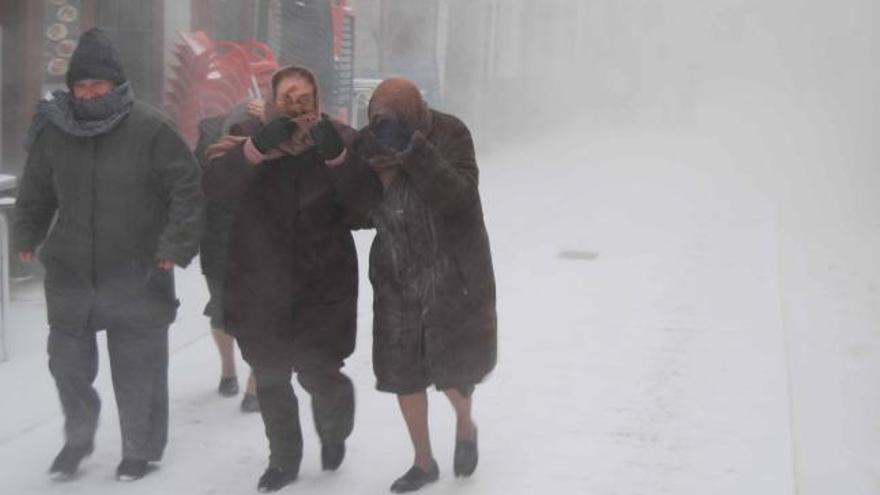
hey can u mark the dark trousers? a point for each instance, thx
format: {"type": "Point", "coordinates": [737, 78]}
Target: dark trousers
{"type": "Point", "coordinates": [139, 367]}
{"type": "Point", "coordinates": [332, 407]}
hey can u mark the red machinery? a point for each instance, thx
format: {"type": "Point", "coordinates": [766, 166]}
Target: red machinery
{"type": "Point", "coordinates": [210, 77]}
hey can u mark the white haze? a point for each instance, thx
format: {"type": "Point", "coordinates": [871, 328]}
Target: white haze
{"type": "Point", "coordinates": [682, 202]}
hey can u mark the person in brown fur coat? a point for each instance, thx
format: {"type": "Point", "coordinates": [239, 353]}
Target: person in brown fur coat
{"type": "Point", "coordinates": [414, 173]}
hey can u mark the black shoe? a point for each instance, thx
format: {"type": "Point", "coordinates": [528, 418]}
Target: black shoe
{"type": "Point", "coordinates": [275, 479]}
{"type": "Point", "coordinates": [249, 403]}
{"type": "Point", "coordinates": [67, 461]}
{"type": "Point", "coordinates": [332, 455]}
{"type": "Point", "coordinates": [131, 469]}
{"type": "Point", "coordinates": [228, 386]}
{"type": "Point", "coordinates": [415, 478]}
{"type": "Point", "coordinates": [465, 458]}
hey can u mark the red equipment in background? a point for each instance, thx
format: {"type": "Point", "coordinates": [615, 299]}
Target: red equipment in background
{"type": "Point", "coordinates": [210, 77]}
{"type": "Point", "coordinates": [341, 14]}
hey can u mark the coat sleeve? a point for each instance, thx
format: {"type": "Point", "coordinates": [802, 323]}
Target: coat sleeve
{"type": "Point", "coordinates": [357, 186]}
{"type": "Point", "coordinates": [180, 181]}
{"type": "Point", "coordinates": [36, 204]}
{"type": "Point", "coordinates": [210, 131]}
{"type": "Point", "coordinates": [228, 177]}
{"type": "Point", "coordinates": [446, 178]}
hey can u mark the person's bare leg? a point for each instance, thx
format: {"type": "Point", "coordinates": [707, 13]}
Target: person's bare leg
{"type": "Point", "coordinates": [249, 402]}
{"type": "Point", "coordinates": [465, 429]}
{"type": "Point", "coordinates": [415, 412]}
{"type": "Point", "coordinates": [466, 452]}
{"type": "Point", "coordinates": [251, 384]}
{"type": "Point", "coordinates": [226, 346]}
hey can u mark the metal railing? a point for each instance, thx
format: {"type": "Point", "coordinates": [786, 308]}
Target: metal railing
{"type": "Point", "coordinates": [4, 282]}
{"type": "Point", "coordinates": [7, 182]}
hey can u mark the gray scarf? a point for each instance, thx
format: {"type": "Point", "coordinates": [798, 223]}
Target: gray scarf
{"type": "Point", "coordinates": [79, 117]}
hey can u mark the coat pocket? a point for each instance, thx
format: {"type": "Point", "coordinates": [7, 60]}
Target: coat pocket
{"type": "Point", "coordinates": [159, 283]}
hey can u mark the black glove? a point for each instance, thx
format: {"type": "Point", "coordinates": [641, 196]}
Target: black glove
{"type": "Point", "coordinates": [327, 139]}
{"type": "Point", "coordinates": [393, 134]}
{"type": "Point", "coordinates": [273, 134]}
{"type": "Point", "coordinates": [366, 147]}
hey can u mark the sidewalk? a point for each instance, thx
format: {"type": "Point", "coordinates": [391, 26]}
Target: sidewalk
{"type": "Point", "coordinates": [648, 299]}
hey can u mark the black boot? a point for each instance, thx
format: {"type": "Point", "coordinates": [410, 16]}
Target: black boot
{"type": "Point", "coordinates": [67, 461]}
{"type": "Point", "coordinates": [275, 479]}
{"type": "Point", "coordinates": [228, 386]}
{"type": "Point", "coordinates": [332, 455]}
{"type": "Point", "coordinates": [465, 458]}
{"type": "Point", "coordinates": [415, 478]}
{"type": "Point", "coordinates": [131, 469]}
{"type": "Point", "coordinates": [250, 403]}
{"type": "Point", "coordinates": [280, 412]}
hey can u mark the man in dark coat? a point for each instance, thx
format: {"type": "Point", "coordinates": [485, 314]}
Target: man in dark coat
{"type": "Point", "coordinates": [290, 288]}
{"type": "Point", "coordinates": [414, 174]}
{"type": "Point", "coordinates": [125, 196]}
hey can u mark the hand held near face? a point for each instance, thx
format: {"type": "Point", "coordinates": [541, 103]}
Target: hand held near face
{"type": "Point", "coordinates": [273, 134]}
{"type": "Point", "coordinates": [393, 134]}
{"type": "Point", "coordinates": [327, 139]}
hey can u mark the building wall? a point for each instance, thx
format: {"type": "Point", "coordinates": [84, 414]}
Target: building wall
{"type": "Point", "coordinates": [178, 18]}
{"type": "Point", "coordinates": [367, 32]}
{"type": "Point", "coordinates": [467, 59]}
{"type": "Point", "coordinates": [21, 88]}
{"type": "Point", "coordinates": [224, 19]}
{"type": "Point", "coordinates": [137, 29]}
{"type": "Point", "coordinates": [408, 43]}
{"type": "Point", "coordinates": [1, 96]}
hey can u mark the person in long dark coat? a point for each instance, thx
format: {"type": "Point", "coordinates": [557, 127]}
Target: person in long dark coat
{"type": "Point", "coordinates": [290, 287]}
{"type": "Point", "coordinates": [414, 173]}
{"type": "Point", "coordinates": [244, 119]}
{"type": "Point", "coordinates": [125, 195]}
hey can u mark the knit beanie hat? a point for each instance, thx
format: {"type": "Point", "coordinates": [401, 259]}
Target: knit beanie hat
{"type": "Point", "coordinates": [95, 57]}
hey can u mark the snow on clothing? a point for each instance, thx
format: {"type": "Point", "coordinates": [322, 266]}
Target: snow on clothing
{"type": "Point", "coordinates": [434, 318]}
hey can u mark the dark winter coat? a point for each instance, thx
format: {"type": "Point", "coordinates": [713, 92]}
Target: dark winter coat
{"type": "Point", "coordinates": [430, 263]}
{"type": "Point", "coordinates": [290, 257]}
{"type": "Point", "coordinates": [218, 215]}
{"type": "Point", "coordinates": [124, 200]}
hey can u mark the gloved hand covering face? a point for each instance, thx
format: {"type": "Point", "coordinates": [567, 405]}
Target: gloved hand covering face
{"type": "Point", "coordinates": [396, 111]}
{"type": "Point", "coordinates": [295, 97]}
{"type": "Point", "coordinates": [327, 139]}
{"type": "Point", "coordinates": [274, 134]}
{"type": "Point", "coordinates": [393, 134]}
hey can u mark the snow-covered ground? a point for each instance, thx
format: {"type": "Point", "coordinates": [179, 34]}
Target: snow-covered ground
{"type": "Point", "coordinates": [669, 324]}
